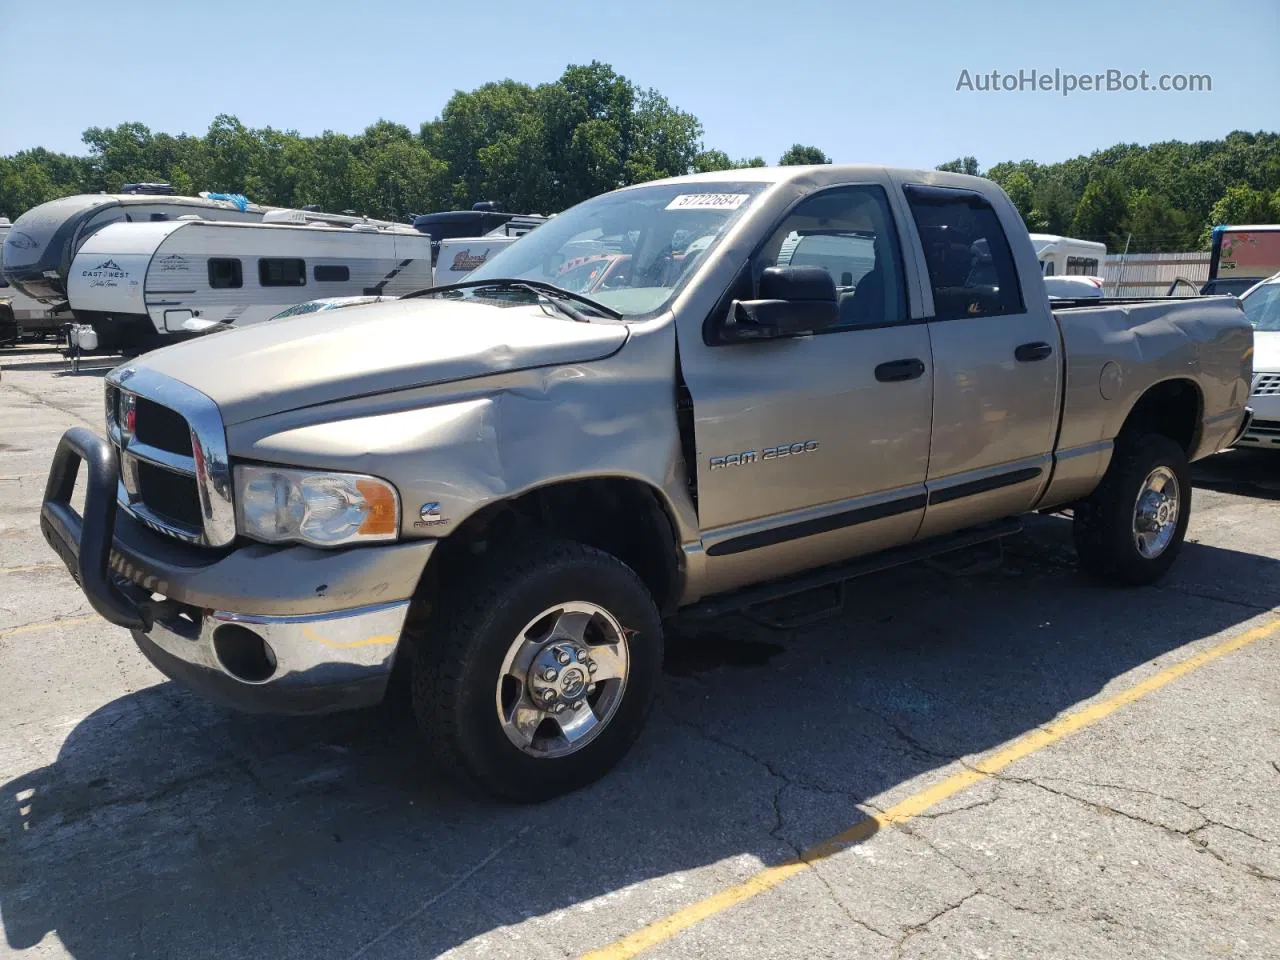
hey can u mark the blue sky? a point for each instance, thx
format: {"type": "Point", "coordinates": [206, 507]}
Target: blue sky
{"type": "Point", "coordinates": [866, 81]}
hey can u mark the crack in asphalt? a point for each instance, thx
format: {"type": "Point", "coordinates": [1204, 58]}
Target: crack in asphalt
{"type": "Point", "coordinates": [785, 781]}
{"type": "Point", "coordinates": [910, 739]}
{"type": "Point", "coordinates": [1200, 843]}
{"type": "Point", "coordinates": [51, 405]}
{"type": "Point", "coordinates": [918, 928]}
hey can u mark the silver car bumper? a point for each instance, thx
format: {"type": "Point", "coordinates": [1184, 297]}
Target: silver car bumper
{"type": "Point", "coordinates": [306, 664]}
{"type": "Point", "coordinates": [1263, 430]}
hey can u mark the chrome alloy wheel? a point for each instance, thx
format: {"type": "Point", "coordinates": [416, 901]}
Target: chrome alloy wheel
{"type": "Point", "coordinates": [1155, 513]}
{"type": "Point", "coordinates": [562, 679]}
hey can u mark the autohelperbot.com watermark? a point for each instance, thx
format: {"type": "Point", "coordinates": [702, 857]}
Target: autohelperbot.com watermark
{"type": "Point", "coordinates": [1066, 83]}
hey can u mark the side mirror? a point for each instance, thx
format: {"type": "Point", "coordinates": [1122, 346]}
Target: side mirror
{"type": "Point", "coordinates": [793, 300]}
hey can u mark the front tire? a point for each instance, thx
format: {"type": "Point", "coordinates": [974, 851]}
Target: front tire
{"type": "Point", "coordinates": [1130, 529]}
{"type": "Point", "coordinates": [538, 669]}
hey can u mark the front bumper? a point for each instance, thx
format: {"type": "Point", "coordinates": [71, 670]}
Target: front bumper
{"type": "Point", "coordinates": [1263, 429]}
{"type": "Point", "coordinates": [279, 630]}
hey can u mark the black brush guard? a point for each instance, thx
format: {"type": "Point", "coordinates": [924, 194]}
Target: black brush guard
{"type": "Point", "coordinates": [84, 543]}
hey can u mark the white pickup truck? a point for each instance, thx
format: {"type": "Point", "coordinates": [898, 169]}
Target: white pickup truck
{"type": "Point", "coordinates": [779, 378]}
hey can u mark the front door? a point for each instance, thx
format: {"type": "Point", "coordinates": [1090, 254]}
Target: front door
{"type": "Point", "coordinates": [998, 363]}
{"type": "Point", "coordinates": [815, 448]}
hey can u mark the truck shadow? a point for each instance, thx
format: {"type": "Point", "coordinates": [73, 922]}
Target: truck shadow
{"type": "Point", "coordinates": [169, 827]}
{"type": "Point", "coordinates": [1244, 471]}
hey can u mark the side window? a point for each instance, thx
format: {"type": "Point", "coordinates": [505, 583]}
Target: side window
{"type": "Point", "coordinates": [330, 273]}
{"type": "Point", "coordinates": [282, 272]}
{"type": "Point", "coordinates": [970, 264]}
{"type": "Point", "coordinates": [1082, 267]}
{"type": "Point", "coordinates": [225, 273]}
{"type": "Point", "coordinates": [849, 232]}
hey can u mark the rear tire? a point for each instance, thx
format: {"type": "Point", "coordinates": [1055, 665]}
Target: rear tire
{"type": "Point", "coordinates": [479, 676]}
{"type": "Point", "coordinates": [1130, 529]}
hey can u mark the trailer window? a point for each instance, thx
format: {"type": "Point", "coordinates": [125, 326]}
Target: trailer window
{"type": "Point", "coordinates": [1082, 267]}
{"type": "Point", "coordinates": [225, 273]}
{"type": "Point", "coordinates": [331, 273]}
{"type": "Point", "coordinates": [282, 272]}
{"type": "Point", "coordinates": [971, 267]}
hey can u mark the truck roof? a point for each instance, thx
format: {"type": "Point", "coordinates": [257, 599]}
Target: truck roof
{"type": "Point", "coordinates": [783, 174]}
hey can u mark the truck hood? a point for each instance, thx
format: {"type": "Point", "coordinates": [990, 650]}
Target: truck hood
{"type": "Point", "coordinates": [1266, 351]}
{"type": "Point", "coordinates": [316, 358]}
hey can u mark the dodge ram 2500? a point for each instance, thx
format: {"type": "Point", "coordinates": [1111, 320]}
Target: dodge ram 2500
{"type": "Point", "coordinates": [498, 489]}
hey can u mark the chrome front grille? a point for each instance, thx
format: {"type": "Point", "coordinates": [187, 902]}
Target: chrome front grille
{"type": "Point", "coordinates": [175, 476]}
{"type": "Point", "coordinates": [1266, 384]}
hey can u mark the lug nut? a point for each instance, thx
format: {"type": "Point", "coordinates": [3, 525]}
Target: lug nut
{"type": "Point", "coordinates": [563, 658]}
{"type": "Point", "coordinates": [591, 688]}
{"type": "Point", "coordinates": [550, 675]}
{"type": "Point", "coordinates": [548, 695]}
{"type": "Point", "coordinates": [558, 708]}
{"type": "Point", "coordinates": [592, 666]}
{"type": "Point", "coordinates": [580, 704]}
{"type": "Point", "coordinates": [582, 656]}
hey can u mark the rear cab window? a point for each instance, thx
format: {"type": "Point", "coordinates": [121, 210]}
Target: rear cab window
{"type": "Point", "coordinates": [966, 250]}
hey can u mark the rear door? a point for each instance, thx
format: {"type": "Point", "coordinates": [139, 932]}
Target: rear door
{"type": "Point", "coordinates": [814, 448]}
{"type": "Point", "coordinates": [997, 356]}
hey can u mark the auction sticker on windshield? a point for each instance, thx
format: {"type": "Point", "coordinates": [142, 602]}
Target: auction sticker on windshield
{"type": "Point", "coordinates": [708, 201]}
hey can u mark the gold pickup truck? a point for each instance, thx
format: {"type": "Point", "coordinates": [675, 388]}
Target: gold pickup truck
{"type": "Point", "coordinates": [499, 488]}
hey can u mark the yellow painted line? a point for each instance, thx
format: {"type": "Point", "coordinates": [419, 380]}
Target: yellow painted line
{"type": "Point", "coordinates": [381, 640]}
{"type": "Point", "coordinates": [49, 625]}
{"type": "Point", "coordinates": [669, 926]}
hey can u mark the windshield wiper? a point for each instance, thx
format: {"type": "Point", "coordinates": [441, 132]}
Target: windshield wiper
{"type": "Point", "coordinates": [556, 295]}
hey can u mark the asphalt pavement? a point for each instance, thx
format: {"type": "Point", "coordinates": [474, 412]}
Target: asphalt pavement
{"type": "Point", "coordinates": [987, 757]}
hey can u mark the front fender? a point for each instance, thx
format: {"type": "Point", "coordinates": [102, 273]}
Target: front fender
{"type": "Point", "coordinates": [452, 457]}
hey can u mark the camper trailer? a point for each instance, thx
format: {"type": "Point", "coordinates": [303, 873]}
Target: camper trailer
{"type": "Point", "coordinates": [26, 317]}
{"type": "Point", "coordinates": [142, 285]}
{"type": "Point", "coordinates": [38, 251]}
{"type": "Point", "coordinates": [1065, 256]}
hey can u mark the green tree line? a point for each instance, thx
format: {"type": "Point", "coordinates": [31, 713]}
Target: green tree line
{"type": "Point", "coordinates": [532, 148]}
{"type": "Point", "coordinates": [541, 149]}
{"type": "Point", "coordinates": [1160, 197]}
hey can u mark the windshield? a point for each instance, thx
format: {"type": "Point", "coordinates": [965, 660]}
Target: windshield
{"type": "Point", "coordinates": [1262, 307]}
{"type": "Point", "coordinates": [631, 249]}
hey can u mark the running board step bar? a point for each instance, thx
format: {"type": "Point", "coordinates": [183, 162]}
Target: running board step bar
{"type": "Point", "coordinates": [858, 567]}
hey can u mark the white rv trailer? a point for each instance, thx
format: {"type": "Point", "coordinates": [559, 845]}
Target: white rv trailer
{"type": "Point", "coordinates": [142, 285]}
{"type": "Point", "coordinates": [43, 241]}
{"type": "Point", "coordinates": [458, 257]}
{"type": "Point", "coordinates": [1066, 256]}
{"type": "Point", "coordinates": [30, 315]}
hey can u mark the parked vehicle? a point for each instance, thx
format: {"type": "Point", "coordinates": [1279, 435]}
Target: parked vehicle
{"type": "Point", "coordinates": [1240, 256]}
{"type": "Point", "coordinates": [1073, 288]}
{"type": "Point", "coordinates": [28, 316]}
{"type": "Point", "coordinates": [1066, 256]}
{"type": "Point", "coordinates": [1261, 304]}
{"type": "Point", "coordinates": [455, 259]}
{"type": "Point", "coordinates": [38, 251]}
{"type": "Point", "coordinates": [326, 303]}
{"type": "Point", "coordinates": [143, 285]}
{"type": "Point", "coordinates": [500, 487]}
{"type": "Point", "coordinates": [1226, 286]}
{"type": "Point", "coordinates": [484, 219]}
{"type": "Point", "coordinates": [10, 331]}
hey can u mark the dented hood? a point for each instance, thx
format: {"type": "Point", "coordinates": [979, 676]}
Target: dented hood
{"type": "Point", "coordinates": [281, 365]}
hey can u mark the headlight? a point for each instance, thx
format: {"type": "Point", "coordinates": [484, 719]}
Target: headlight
{"type": "Point", "coordinates": [324, 509]}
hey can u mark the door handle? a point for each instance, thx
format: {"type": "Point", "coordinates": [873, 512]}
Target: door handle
{"type": "Point", "coordinates": [896, 370]}
{"type": "Point", "coordinates": [1032, 351]}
